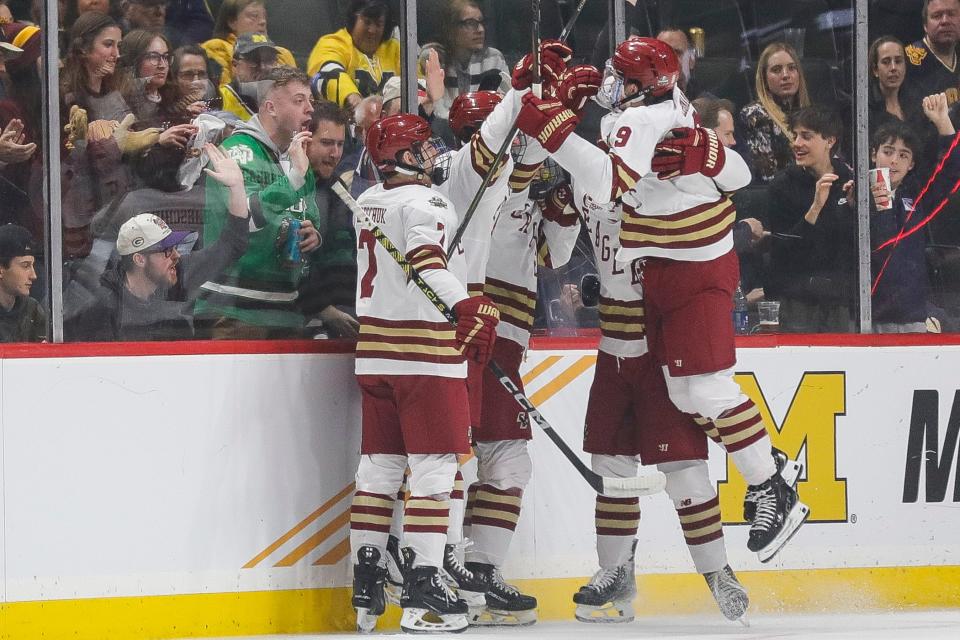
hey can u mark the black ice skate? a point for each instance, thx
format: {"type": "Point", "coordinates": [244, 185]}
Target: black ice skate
{"type": "Point", "coordinates": [369, 578]}
{"type": "Point", "coordinates": [789, 469]}
{"type": "Point", "coordinates": [398, 561]}
{"type": "Point", "coordinates": [729, 594]}
{"type": "Point", "coordinates": [469, 587]}
{"type": "Point", "coordinates": [778, 516]}
{"type": "Point", "coordinates": [505, 605]}
{"type": "Point", "coordinates": [429, 606]}
{"type": "Point", "coordinates": [608, 597]}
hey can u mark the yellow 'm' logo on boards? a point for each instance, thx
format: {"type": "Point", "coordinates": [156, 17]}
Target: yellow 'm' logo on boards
{"type": "Point", "coordinates": [808, 428]}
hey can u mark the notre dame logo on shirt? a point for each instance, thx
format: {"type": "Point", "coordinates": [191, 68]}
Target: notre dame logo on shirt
{"type": "Point", "coordinates": [241, 154]}
{"type": "Point", "coordinates": [915, 54]}
{"type": "Point", "coordinates": [438, 202]}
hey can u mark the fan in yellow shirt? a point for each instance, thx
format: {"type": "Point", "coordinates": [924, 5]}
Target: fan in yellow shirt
{"type": "Point", "coordinates": [234, 18]}
{"type": "Point", "coordinates": [357, 60]}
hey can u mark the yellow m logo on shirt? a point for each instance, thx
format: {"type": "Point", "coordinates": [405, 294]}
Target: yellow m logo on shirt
{"type": "Point", "coordinates": [807, 433]}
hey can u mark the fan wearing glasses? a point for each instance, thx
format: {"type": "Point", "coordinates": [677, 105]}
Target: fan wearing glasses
{"type": "Point", "coordinates": [468, 63]}
{"type": "Point", "coordinates": [155, 100]}
{"type": "Point", "coordinates": [144, 293]}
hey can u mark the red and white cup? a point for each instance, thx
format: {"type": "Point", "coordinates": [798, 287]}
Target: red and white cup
{"type": "Point", "coordinates": [881, 176]}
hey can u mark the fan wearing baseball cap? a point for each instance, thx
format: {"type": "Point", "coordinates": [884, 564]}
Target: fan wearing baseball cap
{"type": "Point", "coordinates": [22, 319]}
{"type": "Point", "coordinates": [147, 292]}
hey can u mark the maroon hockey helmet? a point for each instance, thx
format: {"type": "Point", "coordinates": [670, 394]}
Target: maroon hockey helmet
{"type": "Point", "coordinates": [649, 62]}
{"type": "Point", "coordinates": [469, 110]}
{"type": "Point", "coordinates": [390, 136]}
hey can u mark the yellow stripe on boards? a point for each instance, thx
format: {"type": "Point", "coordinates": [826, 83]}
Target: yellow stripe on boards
{"type": "Point", "coordinates": [572, 373]}
{"type": "Point", "coordinates": [535, 373]}
{"type": "Point", "coordinates": [324, 610]}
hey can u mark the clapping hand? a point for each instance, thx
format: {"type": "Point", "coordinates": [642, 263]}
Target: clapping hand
{"type": "Point", "coordinates": [12, 147]}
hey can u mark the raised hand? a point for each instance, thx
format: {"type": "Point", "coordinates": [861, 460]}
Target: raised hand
{"type": "Point", "coordinates": [299, 162]}
{"type": "Point", "coordinates": [222, 167]}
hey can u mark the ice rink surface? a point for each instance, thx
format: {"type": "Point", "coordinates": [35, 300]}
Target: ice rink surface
{"type": "Point", "coordinates": [925, 625]}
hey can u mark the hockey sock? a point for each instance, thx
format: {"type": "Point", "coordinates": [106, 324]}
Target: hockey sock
{"type": "Point", "coordinates": [617, 520]}
{"type": "Point", "coordinates": [457, 507]}
{"type": "Point", "coordinates": [743, 435]}
{"type": "Point", "coordinates": [493, 520]}
{"type": "Point", "coordinates": [425, 521]}
{"type": "Point", "coordinates": [703, 533]}
{"type": "Point", "coordinates": [370, 515]}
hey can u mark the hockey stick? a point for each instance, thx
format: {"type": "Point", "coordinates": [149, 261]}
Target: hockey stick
{"type": "Point", "coordinates": [612, 487]}
{"type": "Point", "coordinates": [508, 141]}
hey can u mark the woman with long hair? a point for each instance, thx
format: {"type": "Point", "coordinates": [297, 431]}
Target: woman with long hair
{"type": "Point", "coordinates": [88, 78]}
{"type": "Point", "coordinates": [150, 90]}
{"type": "Point", "coordinates": [781, 90]}
{"type": "Point", "coordinates": [237, 17]}
{"type": "Point", "coordinates": [468, 63]}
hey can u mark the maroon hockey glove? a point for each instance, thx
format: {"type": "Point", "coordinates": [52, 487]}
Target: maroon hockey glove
{"type": "Point", "coordinates": [477, 319]}
{"type": "Point", "coordinates": [553, 60]}
{"type": "Point", "coordinates": [578, 84]}
{"type": "Point", "coordinates": [558, 206]}
{"type": "Point", "coordinates": [689, 151]}
{"type": "Point", "coordinates": [546, 120]}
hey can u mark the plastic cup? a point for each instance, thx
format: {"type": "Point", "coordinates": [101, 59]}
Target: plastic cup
{"type": "Point", "coordinates": [882, 176]}
{"type": "Point", "coordinates": [769, 312]}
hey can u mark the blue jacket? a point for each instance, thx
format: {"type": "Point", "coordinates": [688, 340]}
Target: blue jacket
{"type": "Point", "coordinates": [901, 296]}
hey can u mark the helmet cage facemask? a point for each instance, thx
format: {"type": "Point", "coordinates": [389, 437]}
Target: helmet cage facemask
{"type": "Point", "coordinates": [433, 151]}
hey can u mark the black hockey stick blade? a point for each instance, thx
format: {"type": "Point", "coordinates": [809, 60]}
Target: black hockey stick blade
{"type": "Point", "coordinates": [643, 485]}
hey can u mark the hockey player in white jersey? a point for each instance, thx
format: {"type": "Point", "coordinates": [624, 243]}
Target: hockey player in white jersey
{"type": "Point", "coordinates": [630, 414]}
{"type": "Point", "coordinates": [679, 222]}
{"type": "Point", "coordinates": [411, 370]}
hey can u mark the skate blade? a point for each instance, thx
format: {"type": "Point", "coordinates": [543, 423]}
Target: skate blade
{"type": "Point", "coordinates": [366, 621]}
{"type": "Point", "coordinates": [427, 621]}
{"type": "Point", "coordinates": [486, 617]}
{"type": "Point", "coordinates": [744, 620]}
{"type": "Point", "coordinates": [797, 516]}
{"type": "Point", "coordinates": [610, 613]}
{"type": "Point", "coordinates": [791, 472]}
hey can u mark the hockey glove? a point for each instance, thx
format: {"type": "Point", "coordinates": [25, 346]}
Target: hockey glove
{"type": "Point", "coordinates": [546, 120]}
{"type": "Point", "coordinates": [578, 84]}
{"type": "Point", "coordinates": [477, 319]}
{"type": "Point", "coordinates": [558, 206]}
{"type": "Point", "coordinates": [689, 151]}
{"type": "Point", "coordinates": [553, 60]}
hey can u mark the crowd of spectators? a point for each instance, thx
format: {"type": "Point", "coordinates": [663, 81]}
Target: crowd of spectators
{"type": "Point", "coordinates": [166, 104]}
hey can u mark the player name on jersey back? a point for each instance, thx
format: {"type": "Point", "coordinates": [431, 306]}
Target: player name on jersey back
{"type": "Point", "coordinates": [401, 332]}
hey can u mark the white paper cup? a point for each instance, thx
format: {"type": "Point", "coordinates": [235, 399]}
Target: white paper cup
{"type": "Point", "coordinates": [882, 176]}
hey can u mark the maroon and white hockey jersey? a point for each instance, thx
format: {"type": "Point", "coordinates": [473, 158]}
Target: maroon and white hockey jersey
{"type": "Point", "coordinates": [522, 240]}
{"type": "Point", "coordinates": [401, 332]}
{"type": "Point", "coordinates": [621, 296]}
{"type": "Point", "coordinates": [686, 218]}
{"type": "Point", "coordinates": [468, 166]}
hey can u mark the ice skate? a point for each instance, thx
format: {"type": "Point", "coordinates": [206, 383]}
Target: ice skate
{"type": "Point", "coordinates": [789, 469]}
{"type": "Point", "coordinates": [398, 561]}
{"type": "Point", "coordinates": [369, 577]}
{"type": "Point", "coordinates": [729, 594]}
{"type": "Point", "coordinates": [779, 513]}
{"type": "Point", "coordinates": [429, 606]}
{"type": "Point", "coordinates": [608, 597]}
{"type": "Point", "coordinates": [469, 587]}
{"type": "Point", "coordinates": [504, 604]}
